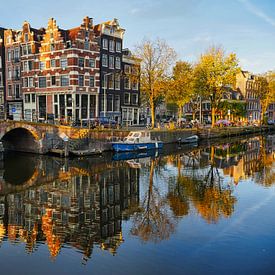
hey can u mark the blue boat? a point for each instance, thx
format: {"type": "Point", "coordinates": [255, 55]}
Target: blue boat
{"type": "Point", "coordinates": [137, 141]}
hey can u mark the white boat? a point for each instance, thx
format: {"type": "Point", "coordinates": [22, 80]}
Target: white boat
{"type": "Point", "coordinates": [137, 141]}
{"type": "Point", "coordinates": [191, 139]}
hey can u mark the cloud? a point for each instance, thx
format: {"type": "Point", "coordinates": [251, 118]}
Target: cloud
{"type": "Point", "coordinates": [259, 13]}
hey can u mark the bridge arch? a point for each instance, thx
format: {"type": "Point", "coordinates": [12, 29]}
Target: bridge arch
{"type": "Point", "coordinates": [24, 138]}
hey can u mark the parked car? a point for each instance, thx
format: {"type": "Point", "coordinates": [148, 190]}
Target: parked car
{"type": "Point", "coordinates": [271, 122]}
{"type": "Point", "coordinates": [107, 122]}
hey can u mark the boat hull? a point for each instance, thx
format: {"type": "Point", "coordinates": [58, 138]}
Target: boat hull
{"type": "Point", "coordinates": [128, 147]}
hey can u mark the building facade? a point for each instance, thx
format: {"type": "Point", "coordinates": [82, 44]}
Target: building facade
{"type": "Point", "coordinates": [248, 85]}
{"type": "Point", "coordinates": [53, 73]}
{"type": "Point", "coordinates": [2, 74]}
{"type": "Point", "coordinates": [70, 75]}
{"type": "Point", "coordinates": [131, 91]}
{"type": "Point", "coordinates": [119, 96]}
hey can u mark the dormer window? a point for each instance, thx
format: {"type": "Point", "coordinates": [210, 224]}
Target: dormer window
{"type": "Point", "coordinates": [26, 37]}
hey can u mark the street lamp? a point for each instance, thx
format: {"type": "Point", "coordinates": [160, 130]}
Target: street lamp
{"type": "Point", "coordinates": [104, 95]}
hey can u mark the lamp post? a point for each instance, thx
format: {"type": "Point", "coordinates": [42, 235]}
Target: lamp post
{"type": "Point", "coordinates": [104, 95]}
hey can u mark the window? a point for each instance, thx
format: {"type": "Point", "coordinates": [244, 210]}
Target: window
{"type": "Point", "coordinates": [26, 37]}
{"type": "Point", "coordinates": [64, 80]}
{"type": "Point", "coordinates": [118, 46]}
{"type": "Point", "coordinates": [16, 54]}
{"type": "Point", "coordinates": [105, 43]}
{"type": "Point", "coordinates": [112, 45]}
{"type": "Point", "coordinates": [86, 45]}
{"type": "Point", "coordinates": [27, 98]}
{"type": "Point", "coordinates": [52, 47]}
{"type": "Point", "coordinates": [9, 90]}
{"type": "Point", "coordinates": [17, 91]}
{"type": "Point", "coordinates": [1, 79]}
{"type": "Point", "coordinates": [126, 83]}
{"type": "Point", "coordinates": [117, 82]}
{"type": "Point", "coordinates": [135, 99]}
{"type": "Point", "coordinates": [81, 62]}
{"type": "Point", "coordinates": [117, 103]}
{"type": "Point", "coordinates": [42, 65]}
{"type": "Point", "coordinates": [63, 63]}
{"type": "Point", "coordinates": [33, 98]}
{"type": "Point", "coordinates": [42, 82]}
{"type": "Point", "coordinates": [91, 62]}
{"type": "Point", "coordinates": [111, 82]}
{"type": "Point", "coordinates": [92, 81]}
{"type": "Point", "coordinates": [25, 82]}
{"type": "Point", "coordinates": [105, 60]}
{"type": "Point", "coordinates": [9, 55]}
{"type": "Point", "coordinates": [81, 80]}
{"type": "Point", "coordinates": [127, 69]}
{"type": "Point", "coordinates": [31, 82]}
{"type": "Point", "coordinates": [118, 62]}
{"type": "Point", "coordinates": [30, 65]}
{"type": "Point", "coordinates": [110, 99]}
{"type": "Point", "coordinates": [135, 85]}
{"type": "Point", "coordinates": [111, 62]}
{"type": "Point", "coordinates": [126, 98]}
{"type": "Point", "coordinates": [9, 73]}
{"type": "Point", "coordinates": [53, 80]}
{"type": "Point", "coordinates": [53, 64]}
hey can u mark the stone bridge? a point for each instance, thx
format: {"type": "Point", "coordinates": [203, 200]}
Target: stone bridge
{"type": "Point", "coordinates": [43, 138]}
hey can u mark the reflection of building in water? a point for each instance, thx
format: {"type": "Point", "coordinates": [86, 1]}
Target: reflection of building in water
{"type": "Point", "coordinates": [251, 156]}
{"type": "Point", "coordinates": [82, 211]}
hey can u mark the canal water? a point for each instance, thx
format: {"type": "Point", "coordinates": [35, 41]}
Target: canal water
{"type": "Point", "coordinates": [206, 209]}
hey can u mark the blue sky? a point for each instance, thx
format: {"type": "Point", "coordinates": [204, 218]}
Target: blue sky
{"type": "Point", "coordinates": [246, 27]}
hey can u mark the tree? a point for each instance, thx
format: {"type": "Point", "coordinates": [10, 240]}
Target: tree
{"type": "Point", "coordinates": [214, 72]}
{"type": "Point", "coordinates": [156, 60]}
{"type": "Point", "coordinates": [181, 85]}
{"type": "Point", "coordinates": [266, 91]}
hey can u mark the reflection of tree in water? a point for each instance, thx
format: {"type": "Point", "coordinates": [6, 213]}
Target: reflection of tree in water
{"type": "Point", "coordinates": [207, 193]}
{"type": "Point", "coordinates": [152, 222]}
{"type": "Point", "coordinates": [176, 197]}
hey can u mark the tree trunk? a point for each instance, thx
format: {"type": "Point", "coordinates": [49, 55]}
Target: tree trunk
{"type": "Point", "coordinates": [193, 115]}
{"type": "Point", "coordinates": [213, 112]}
{"type": "Point", "coordinates": [152, 106]}
{"type": "Point", "coordinates": [180, 112]}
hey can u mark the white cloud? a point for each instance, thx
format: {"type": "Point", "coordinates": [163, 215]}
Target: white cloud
{"type": "Point", "coordinates": [258, 12]}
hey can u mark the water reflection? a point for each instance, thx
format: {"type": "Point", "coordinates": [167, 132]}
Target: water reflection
{"type": "Point", "coordinates": [81, 204]}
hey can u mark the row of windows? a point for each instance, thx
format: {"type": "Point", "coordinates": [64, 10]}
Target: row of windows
{"type": "Point", "coordinates": [112, 46]}
{"type": "Point", "coordinates": [64, 63]}
{"type": "Point", "coordinates": [114, 62]}
{"type": "Point", "coordinates": [64, 81]}
{"type": "Point", "coordinates": [114, 82]}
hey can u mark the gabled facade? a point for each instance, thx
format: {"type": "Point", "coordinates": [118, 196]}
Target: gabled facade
{"type": "Point", "coordinates": [66, 75]}
{"type": "Point", "coordinates": [2, 74]}
{"type": "Point", "coordinates": [247, 84]}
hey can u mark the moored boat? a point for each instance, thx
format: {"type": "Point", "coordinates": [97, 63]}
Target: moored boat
{"type": "Point", "coordinates": [137, 141]}
{"type": "Point", "coordinates": [191, 139]}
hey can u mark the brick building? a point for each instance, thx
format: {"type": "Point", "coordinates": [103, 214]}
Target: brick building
{"type": "Point", "coordinates": [2, 74]}
{"type": "Point", "coordinates": [70, 75]}
{"type": "Point", "coordinates": [54, 72]}
{"type": "Point", "coordinates": [12, 39]}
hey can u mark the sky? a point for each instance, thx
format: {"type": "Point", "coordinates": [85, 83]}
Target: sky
{"type": "Point", "coordinates": [246, 27]}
